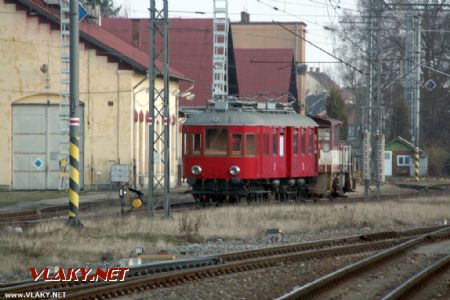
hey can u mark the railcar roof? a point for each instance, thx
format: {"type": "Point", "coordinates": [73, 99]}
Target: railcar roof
{"type": "Point", "coordinates": [228, 118]}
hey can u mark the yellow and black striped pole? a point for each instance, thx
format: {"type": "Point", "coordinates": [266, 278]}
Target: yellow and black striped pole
{"type": "Point", "coordinates": [74, 149]}
{"type": "Point", "coordinates": [74, 174]}
{"type": "Point", "coordinates": [417, 163]}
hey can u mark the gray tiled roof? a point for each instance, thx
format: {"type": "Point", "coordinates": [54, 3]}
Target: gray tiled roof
{"type": "Point", "coordinates": [249, 118]}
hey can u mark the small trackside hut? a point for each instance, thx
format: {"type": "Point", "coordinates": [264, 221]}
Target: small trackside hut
{"type": "Point", "coordinates": [249, 150]}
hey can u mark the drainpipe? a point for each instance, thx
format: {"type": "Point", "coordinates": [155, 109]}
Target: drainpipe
{"type": "Point", "coordinates": [134, 88]}
{"type": "Point", "coordinates": [118, 119]}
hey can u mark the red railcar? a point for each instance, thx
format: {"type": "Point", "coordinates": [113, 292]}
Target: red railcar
{"type": "Point", "coordinates": [231, 154]}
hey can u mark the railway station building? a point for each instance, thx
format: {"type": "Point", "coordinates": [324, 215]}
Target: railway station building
{"type": "Point", "coordinates": [113, 101]}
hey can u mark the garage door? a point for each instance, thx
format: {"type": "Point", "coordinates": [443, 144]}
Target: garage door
{"type": "Point", "coordinates": [36, 147]}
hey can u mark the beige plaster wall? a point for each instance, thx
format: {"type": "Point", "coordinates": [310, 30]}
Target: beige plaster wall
{"type": "Point", "coordinates": [108, 94]}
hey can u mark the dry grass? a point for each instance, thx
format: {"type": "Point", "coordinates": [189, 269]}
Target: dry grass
{"type": "Point", "coordinates": [108, 239]}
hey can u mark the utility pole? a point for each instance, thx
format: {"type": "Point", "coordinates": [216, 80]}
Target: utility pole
{"type": "Point", "coordinates": [412, 71]}
{"type": "Point", "coordinates": [378, 142]}
{"type": "Point", "coordinates": [412, 79]}
{"type": "Point", "coordinates": [159, 138]}
{"type": "Point", "coordinates": [418, 41]}
{"type": "Point", "coordinates": [74, 148]}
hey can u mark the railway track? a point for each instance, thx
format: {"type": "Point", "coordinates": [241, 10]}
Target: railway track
{"type": "Point", "coordinates": [31, 217]}
{"type": "Point", "coordinates": [59, 213]}
{"type": "Point", "coordinates": [413, 284]}
{"type": "Point", "coordinates": [332, 280]}
{"type": "Point", "coordinates": [173, 273]}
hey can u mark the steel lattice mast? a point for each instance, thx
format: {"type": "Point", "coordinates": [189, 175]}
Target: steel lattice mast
{"type": "Point", "coordinates": [220, 46]}
{"type": "Point", "coordinates": [64, 101]}
{"type": "Point", "coordinates": [373, 118]}
{"type": "Point", "coordinates": [159, 146]}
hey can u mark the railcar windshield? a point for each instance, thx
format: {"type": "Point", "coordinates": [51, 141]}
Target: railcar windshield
{"type": "Point", "coordinates": [216, 141]}
{"type": "Point", "coordinates": [250, 148]}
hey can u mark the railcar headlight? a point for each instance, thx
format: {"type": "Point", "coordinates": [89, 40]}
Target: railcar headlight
{"type": "Point", "coordinates": [196, 170]}
{"type": "Point", "coordinates": [235, 170]}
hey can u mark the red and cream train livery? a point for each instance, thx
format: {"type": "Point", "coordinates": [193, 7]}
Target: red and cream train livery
{"type": "Point", "coordinates": [233, 154]}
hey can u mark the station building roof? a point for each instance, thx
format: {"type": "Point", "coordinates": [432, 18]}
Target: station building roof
{"type": "Point", "coordinates": [116, 48]}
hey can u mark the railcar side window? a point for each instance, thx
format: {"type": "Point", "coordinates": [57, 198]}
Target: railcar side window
{"type": "Point", "coordinates": [303, 141]}
{"type": "Point", "coordinates": [295, 141]}
{"type": "Point", "coordinates": [266, 144]}
{"type": "Point", "coordinates": [250, 145]}
{"type": "Point", "coordinates": [310, 141]}
{"type": "Point", "coordinates": [196, 143]}
{"type": "Point", "coordinates": [281, 143]}
{"type": "Point", "coordinates": [216, 141]}
{"type": "Point", "coordinates": [185, 141]}
{"type": "Point", "coordinates": [236, 144]}
{"type": "Point", "coordinates": [274, 142]}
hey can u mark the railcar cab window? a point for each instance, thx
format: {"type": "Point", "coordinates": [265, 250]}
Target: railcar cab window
{"type": "Point", "coordinates": [250, 145]}
{"type": "Point", "coordinates": [216, 141]}
{"type": "Point", "coordinates": [236, 144]}
{"type": "Point", "coordinates": [324, 138]}
{"type": "Point", "coordinates": [196, 143]}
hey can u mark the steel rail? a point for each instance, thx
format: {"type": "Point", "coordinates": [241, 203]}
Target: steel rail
{"type": "Point", "coordinates": [164, 279]}
{"type": "Point", "coordinates": [377, 236]}
{"type": "Point", "coordinates": [142, 270]}
{"type": "Point", "coordinates": [38, 215]}
{"type": "Point", "coordinates": [99, 291]}
{"type": "Point", "coordinates": [410, 285]}
{"type": "Point", "coordinates": [317, 286]}
{"type": "Point", "coordinates": [240, 255]}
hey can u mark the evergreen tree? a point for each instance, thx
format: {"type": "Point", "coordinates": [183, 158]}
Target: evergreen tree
{"type": "Point", "coordinates": [107, 7]}
{"type": "Point", "coordinates": [336, 110]}
{"type": "Point", "coordinates": [400, 119]}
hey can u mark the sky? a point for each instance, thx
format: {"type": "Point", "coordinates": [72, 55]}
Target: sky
{"type": "Point", "coordinates": [315, 13]}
